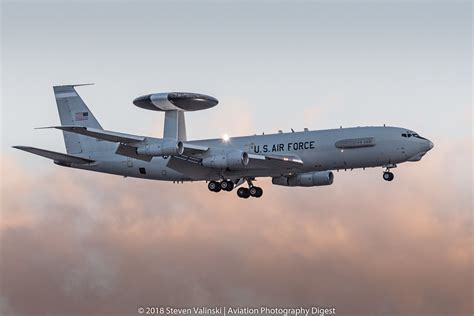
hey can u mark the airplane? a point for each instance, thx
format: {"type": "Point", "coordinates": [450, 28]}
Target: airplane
{"type": "Point", "coordinates": [294, 159]}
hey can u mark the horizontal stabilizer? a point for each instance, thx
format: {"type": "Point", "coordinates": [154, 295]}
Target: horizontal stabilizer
{"type": "Point", "coordinates": [110, 136]}
{"type": "Point", "coordinates": [58, 157]}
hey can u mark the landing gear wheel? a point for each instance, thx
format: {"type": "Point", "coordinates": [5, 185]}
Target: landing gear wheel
{"type": "Point", "coordinates": [227, 185]}
{"type": "Point", "coordinates": [243, 193]}
{"type": "Point", "coordinates": [255, 192]}
{"type": "Point", "coordinates": [224, 185]}
{"type": "Point", "coordinates": [388, 176]}
{"type": "Point", "coordinates": [214, 186]}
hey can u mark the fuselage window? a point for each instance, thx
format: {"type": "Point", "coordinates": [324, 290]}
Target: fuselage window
{"type": "Point", "coordinates": [142, 170]}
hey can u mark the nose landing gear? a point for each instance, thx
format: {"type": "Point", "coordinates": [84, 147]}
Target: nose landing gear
{"type": "Point", "coordinates": [387, 175]}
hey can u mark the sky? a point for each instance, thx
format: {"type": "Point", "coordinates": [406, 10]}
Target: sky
{"type": "Point", "coordinates": [73, 242]}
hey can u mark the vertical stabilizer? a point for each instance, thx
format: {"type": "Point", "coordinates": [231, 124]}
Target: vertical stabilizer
{"type": "Point", "coordinates": [73, 111]}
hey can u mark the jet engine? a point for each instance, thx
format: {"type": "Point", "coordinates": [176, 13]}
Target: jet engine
{"type": "Point", "coordinates": [233, 159]}
{"type": "Point", "coordinates": [167, 147]}
{"type": "Point", "coordinates": [309, 179]}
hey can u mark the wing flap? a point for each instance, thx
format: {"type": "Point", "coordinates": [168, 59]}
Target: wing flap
{"type": "Point", "coordinates": [59, 157]}
{"type": "Point", "coordinates": [187, 167]}
{"type": "Point", "coordinates": [191, 149]}
{"type": "Point", "coordinates": [274, 161]}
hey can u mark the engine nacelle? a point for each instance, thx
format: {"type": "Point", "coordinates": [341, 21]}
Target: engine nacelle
{"type": "Point", "coordinates": [233, 159]}
{"type": "Point", "coordinates": [309, 179]}
{"type": "Point", "coordinates": [167, 147]}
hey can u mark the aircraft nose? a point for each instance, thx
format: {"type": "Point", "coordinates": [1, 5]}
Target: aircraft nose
{"type": "Point", "coordinates": [429, 145]}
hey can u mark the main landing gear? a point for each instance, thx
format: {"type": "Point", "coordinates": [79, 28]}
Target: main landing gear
{"type": "Point", "coordinates": [215, 186]}
{"type": "Point", "coordinates": [227, 185]}
{"type": "Point", "coordinates": [387, 175]}
{"type": "Point", "coordinates": [251, 191]}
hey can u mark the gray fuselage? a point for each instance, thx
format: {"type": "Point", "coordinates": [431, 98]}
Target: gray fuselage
{"type": "Point", "coordinates": [333, 149]}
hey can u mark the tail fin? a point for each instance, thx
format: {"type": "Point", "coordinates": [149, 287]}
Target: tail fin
{"type": "Point", "coordinates": [73, 111]}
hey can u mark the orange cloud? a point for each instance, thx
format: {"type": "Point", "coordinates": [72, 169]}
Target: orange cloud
{"type": "Point", "coordinates": [76, 243]}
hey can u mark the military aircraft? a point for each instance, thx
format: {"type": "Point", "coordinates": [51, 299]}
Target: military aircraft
{"type": "Point", "coordinates": [294, 159]}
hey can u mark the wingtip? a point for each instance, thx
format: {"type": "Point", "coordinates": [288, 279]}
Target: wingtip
{"type": "Point", "coordinates": [20, 147]}
{"type": "Point", "coordinates": [44, 127]}
{"type": "Point", "coordinates": [83, 84]}
{"type": "Point", "coordinates": [75, 85]}
{"type": "Point", "coordinates": [58, 127]}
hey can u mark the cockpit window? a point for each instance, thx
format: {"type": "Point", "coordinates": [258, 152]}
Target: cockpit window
{"type": "Point", "coordinates": [409, 134]}
{"type": "Point", "coordinates": [418, 136]}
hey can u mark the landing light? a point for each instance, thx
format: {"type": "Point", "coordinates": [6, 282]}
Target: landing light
{"type": "Point", "coordinates": [225, 137]}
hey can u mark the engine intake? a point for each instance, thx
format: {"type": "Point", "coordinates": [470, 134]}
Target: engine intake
{"type": "Point", "coordinates": [167, 147]}
{"type": "Point", "coordinates": [234, 159]}
{"type": "Point", "coordinates": [309, 179]}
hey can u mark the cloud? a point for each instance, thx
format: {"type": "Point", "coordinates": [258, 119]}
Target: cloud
{"type": "Point", "coordinates": [77, 243]}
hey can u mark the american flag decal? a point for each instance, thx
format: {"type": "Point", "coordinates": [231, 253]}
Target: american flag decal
{"type": "Point", "coordinates": [81, 116]}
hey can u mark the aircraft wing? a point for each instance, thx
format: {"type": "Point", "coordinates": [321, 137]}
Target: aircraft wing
{"type": "Point", "coordinates": [191, 165]}
{"type": "Point", "coordinates": [59, 157]}
{"type": "Point", "coordinates": [192, 153]}
{"type": "Point", "coordinates": [110, 136]}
